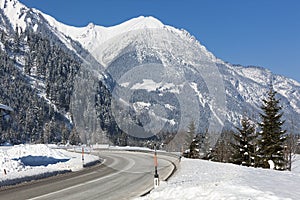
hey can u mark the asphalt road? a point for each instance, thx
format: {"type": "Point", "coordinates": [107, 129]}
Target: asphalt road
{"type": "Point", "coordinates": [122, 175]}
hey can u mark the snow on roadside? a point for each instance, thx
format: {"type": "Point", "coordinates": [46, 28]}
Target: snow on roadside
{"type": "Point", "coordinates": [129, 148]}
{"type": "Point", "coordinates": [199, 179]}
{"type": "Point", "coordinates": [27, 162]}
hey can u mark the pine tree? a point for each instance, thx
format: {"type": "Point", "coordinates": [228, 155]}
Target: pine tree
{"type": "Point", "coordinates": [64, 134]}
{"type": "Point", "coordinates": [272, 136]}
{"type": "Point", "coordinates": [205, 146]}
{"type": "Point", "coordinates": [244, 144]}
{"type": "Point", "coordinates": [190, 139]}
{"type": "Point", "coordinates": [195, 147]}
{"type": "Point", "coordinates": [46, 134]}
{"type": "Point", "coordinates": [74, 138]}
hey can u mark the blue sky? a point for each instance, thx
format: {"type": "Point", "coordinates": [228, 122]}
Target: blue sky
{"type": "Point", "coordinates": [255, 32]}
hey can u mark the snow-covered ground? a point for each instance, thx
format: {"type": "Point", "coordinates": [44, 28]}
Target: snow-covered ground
{"type": "Point", "coordinates": [195, 179]}
{"type": "Point", "coordinates": [199, 179]}
{"type": "Point", "coordinates": [27, 162]}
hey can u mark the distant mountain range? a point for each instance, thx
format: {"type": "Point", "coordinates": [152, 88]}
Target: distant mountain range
{"type": "Point", "coordinates": [140, 78]}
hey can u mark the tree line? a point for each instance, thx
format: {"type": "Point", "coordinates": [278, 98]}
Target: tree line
{"type": "Point", "coordinates": [263, 144]}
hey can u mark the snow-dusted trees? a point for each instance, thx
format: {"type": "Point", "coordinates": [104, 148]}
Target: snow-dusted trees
{"type": "Point", "coordinates": [190, 134]}
{"type": "Point", "coordinates": [272, 137]}
{"type": "Point", "coordinates": [194, 141]}
{"type": "Point", "coordinates": [31, 66]}
{"type": "Point", "coordinates": [271, 144]}
{"type": "Point", "coordinates": [244, 144]}
{"type": "Point", "coordinates": [205, 146]}
{"type": "Point", "coordinates": [222, 152]}
{"type": "Point", "coordinates": [74, 138]}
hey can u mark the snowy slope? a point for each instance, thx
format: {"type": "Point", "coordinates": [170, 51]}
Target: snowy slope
{"type": "Point", "coordinates": [27, 162]}
{"type": "Point", "coordinates": [199, 179]}
{"type": "Point", "coordinates": [181, 54]}
{"type": "Point", "coordinates": [93, 36]}
{"type": "Point", "coordinates": [21, 18]}
{"type": "Point", "coordinates": [16, 12]}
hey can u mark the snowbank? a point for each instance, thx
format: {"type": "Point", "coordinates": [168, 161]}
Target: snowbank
{"type": "Point", "coordinates": [199, 179]}
{"type": "Point", "coordinates": [28, 162]}
{"type": "Point", "coordinates": [129, 148]}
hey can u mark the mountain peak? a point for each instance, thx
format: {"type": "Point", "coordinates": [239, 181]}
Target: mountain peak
{"type": "Point", "coordinates": [145, 22]}
{"type": "Point", "coordinates": [140, 22]}
{"type": "Point", "coordinates": [91, 25]}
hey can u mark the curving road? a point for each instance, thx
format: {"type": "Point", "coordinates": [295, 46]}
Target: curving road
{"type": "Point", "coordinates": [122, 175]}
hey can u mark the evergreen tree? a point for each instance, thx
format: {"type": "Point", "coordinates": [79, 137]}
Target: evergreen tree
{"type": "Point", "coordinates": [205, 146]}
{"type": "Point", "coordinates": [272, 136]}
{"type": "Point", "coordinates": [64, 134]}
{"type": "Point", "coordinates": [46, 134]}
{"type": "Point", "coordinates": [190, 134]}
{"type": "Point", "coordinates": [189, 138]}
{"type": "Point", "coordinates": [195, 147]}
{"type": "Point", "coordinates": [244, 144]}
{"type": "Point", "coordinates": [74, 138]}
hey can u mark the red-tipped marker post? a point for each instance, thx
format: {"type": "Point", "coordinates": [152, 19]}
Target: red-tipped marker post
{"type": "Point", "coordinates": [156, 177]}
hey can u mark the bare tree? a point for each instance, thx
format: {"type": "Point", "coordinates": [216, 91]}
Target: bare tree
{"type": "Point", "coordinates": [290, 150]}
{"type": "Point", "coordinates": [223, 150]}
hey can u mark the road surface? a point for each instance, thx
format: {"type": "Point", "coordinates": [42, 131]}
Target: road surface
{"type": "Point", "coordinates": [122, 175]}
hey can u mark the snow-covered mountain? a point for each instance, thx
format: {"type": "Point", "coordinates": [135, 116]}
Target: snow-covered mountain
{"type": "Point", "coordinates": [160, 78]}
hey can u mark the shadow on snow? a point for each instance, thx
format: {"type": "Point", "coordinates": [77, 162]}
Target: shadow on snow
{"type": "Point", "coordinates": [40, 160]}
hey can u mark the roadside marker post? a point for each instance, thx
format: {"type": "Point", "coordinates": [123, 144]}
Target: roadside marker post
{"type": "Point", "coordinates": [82, 150]}
{"type": "Point", "coordinates": [156, 176]}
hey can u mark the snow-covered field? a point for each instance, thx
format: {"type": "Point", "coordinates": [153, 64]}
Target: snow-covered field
{"type": "Point", "coordinates": [27, 162]}
{"type": "Point", "coordinates": [199, 179]}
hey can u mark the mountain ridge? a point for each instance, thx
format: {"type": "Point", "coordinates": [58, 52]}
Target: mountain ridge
{"type": "Point", "coordinates": [147, 70]}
